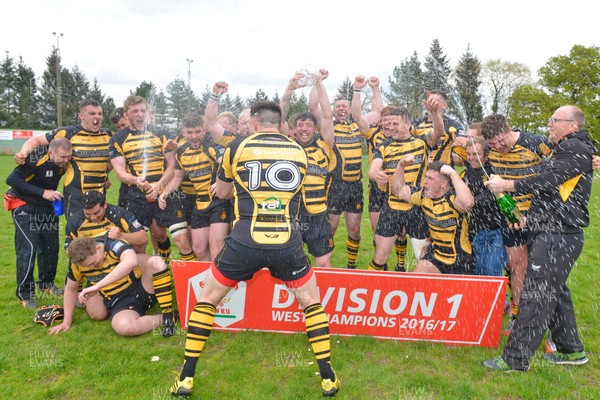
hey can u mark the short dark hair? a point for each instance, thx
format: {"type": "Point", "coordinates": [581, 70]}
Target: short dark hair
{"type": "Point", "coordinates": [192, 120]}
{"type": "Point", "coordinates": [401, 112]}
{"type": "Point", "coordinates": [89, 102]}
{"type": "Point", "coordinates": [116, 115]}
{"type": "Point", "coordinates": [266, 112]}
{"type": "Point", "coordinates": [437, 167]}
{"type": "Point", "coordinates": [493, 125]}
{"type": "Point", "coordinates": [92, 198]}
{"type": "Point", "coordinates": [304, 116]}
{"type": "Point", "coordinates": [439, 92]}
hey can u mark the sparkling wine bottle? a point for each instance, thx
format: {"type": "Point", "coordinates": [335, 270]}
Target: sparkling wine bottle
{"type": "Point", "coordinates": [509, 208]}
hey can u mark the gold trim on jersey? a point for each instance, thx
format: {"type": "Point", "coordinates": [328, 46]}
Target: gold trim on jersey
{"type": "Point", "coordinates": [143, 153]}
{"type": "Point", "coordinates": [348, 150]}
{"type": "Point", "coordinates": [200, 167]}
{"type": "Point", "coordinates": [392, 152]}
{"type": "Point", "coordinates": [522, 161]}
{"type": "Point", "coordinates": [268, 170]}
{"type": "Point", "coordinates": [88, 169]}
{"type": "Point", "coordinates": [448, 228]}
{"type": "Point", "coordinates": [321, 161]}
{"type": "Point", "coordinates": [95, 275]}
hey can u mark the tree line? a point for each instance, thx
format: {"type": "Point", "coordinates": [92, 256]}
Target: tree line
{"type": "Point", "coordinates": [474, 89]}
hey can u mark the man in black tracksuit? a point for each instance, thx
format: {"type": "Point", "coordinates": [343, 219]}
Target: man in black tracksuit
{"type": "Point", "coordinates": [556, 220]}
{"type": "Point", "coordinates": [33, 188]}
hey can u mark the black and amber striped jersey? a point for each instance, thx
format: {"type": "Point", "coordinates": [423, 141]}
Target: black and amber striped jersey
{"type": "Point", "coordinates": [267, 171]}
{"type": "Point", "coordinates": [374, 137]}
{"type": "Point", "coordinates": [88, 169]}
{"type": "Point", "coordinates": [321, 163]}
{"type": "Point", "coordinates": [143, 152]}
{"type": "Point", "coordinates": [28, 181]}
{"type": "Point", "coordinates": [200, 167]}
{"type": "Point", "coordinates": [79, 225]}
{"type": "Point", "coordinates": [227, 138]}
{"type": "Point", "coordinates": [187, 186]}
{"type": "Point", "coordinates": [113, 250]}
{"type": "Point", "coordinates": [443, 150]}
{"type": "Point", "coordinates": [448, 227]}
{"type": "Point", "coordinates": [391, 152]}
{"type": "Point", "coordinates": [348, 151]}
{"type": "Point", "coordinates": [522, 161]}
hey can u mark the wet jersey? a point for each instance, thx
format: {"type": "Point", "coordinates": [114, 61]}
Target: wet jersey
{"type": "Point", "coordinates": [267, 171]}
{"type": "Point", "coordinates": [88, 169]}
{"type": "Point", "coordinates": [443, 150]}
{"type": "Point", "coordinates": [348, 151]}
{"type": "Point", "coordinates": [374, 137]}
{"type": "Point", "coordinates": [39, 173]}
{"type": "Point", "coordinates": [79, 225]}
{"type": "Point", "coordinates": [448, 227]}
{"type": "Point", "coordinates": [187, 186]}
{"type": "Point", "coordinates": [391, 152]}
{"type": "Point", "coordinates": [143, 152]}
{"type": "Point", "coordinates": [200, 167]}
{"type": "Point", "coordinates": [113, 249]}
{"type": "Point", "coordinates": [522, 161]}
{"type": "Point", "coordinates": [321, 163]}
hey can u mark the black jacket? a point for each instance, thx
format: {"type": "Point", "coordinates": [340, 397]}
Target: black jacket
{"type": "Point", "coordinates": [562, 188]}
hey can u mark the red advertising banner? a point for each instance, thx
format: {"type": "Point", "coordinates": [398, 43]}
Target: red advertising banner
{"type": "Point", "coordinates": [453, 309]}
{"type": "Point", "coordinates": [22, 134]}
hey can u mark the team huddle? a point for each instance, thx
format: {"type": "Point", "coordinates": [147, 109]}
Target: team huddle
{"type": "Point", "coordinates": [251, 192]}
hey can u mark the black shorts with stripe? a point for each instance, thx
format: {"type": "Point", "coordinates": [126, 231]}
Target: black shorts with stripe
{"type": "Point", "coordinates": [239, 262]}
{"type": "Point", "coordinates": [217, 212]}
{"type": "Point", "coordinates": [464, 265]}
{"type": "Point", "coordinates": [393, 222]}
{"type": "Point", "coordinates": [316, 233]}
{"type": "Point", "coordinates": [345, 197]}
{"type": "Point", "coordinates": [134, 298]}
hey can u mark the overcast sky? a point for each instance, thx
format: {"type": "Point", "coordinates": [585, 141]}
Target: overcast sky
{"type": "Point", "coordinates": [260, 43]}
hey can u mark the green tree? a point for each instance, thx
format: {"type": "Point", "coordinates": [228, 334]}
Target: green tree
{"type": "Point", "coordinates": [25, 98]}
{"type": "Point", "coordinates": [437, 68]}
{"type": "Point", "coordinates": [467, 102]}
{"type": "Point", "coordinates": [575, 79]}
{"type": "Point", "coordinates": [8, 88]}
{"type": "Point", "coordinates": [179, 98]}
{"type": "Point", "coordinates": [47, 100]}
{"type": "Point", "coordinates": [500, 80]}
{"type": "Point", "coordinates": [258, 96]}
{"type": "Point", "coordinates": [147, 90]}
{"type": "Point", "coordinates": [531, 105]}
{"type": "Point", "coordinates": [345, 90]}
{"type": "Point", "coordinates": [407, 85]}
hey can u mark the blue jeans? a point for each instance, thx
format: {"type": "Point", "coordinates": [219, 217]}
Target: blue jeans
{"type": "Point", "coordinates": [490, 254]}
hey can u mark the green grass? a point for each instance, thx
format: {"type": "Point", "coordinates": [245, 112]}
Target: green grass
{"type": "Point", "coordinates": [90, 361]}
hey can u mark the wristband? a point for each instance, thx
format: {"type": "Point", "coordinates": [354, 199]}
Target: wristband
{"type": "Point", "coordinates": [357, 90]}
{"type": "Point", "coordinates": [215, 97]}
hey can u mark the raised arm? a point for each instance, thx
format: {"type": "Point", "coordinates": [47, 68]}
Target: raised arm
{"type": "Point", "coordinates": [436, 113]}
{"type": "Point", "coordinates": [286, 99]}
{"type": "Point", "coordinates": [377, 102]}
{"type": "Point", "coordinates": [211, 113]}
{"type": "Point", "coordinates": [313, 98]}
{"type": "Point", "coordinates": [356, 107]}
{"type": "Point", "coordinates": [326, 121]}
{"type": "Point", "coordinates": [464, 198]}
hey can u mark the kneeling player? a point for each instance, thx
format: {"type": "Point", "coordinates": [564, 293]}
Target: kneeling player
{"type": "Point", "coordinates": [128, 285]}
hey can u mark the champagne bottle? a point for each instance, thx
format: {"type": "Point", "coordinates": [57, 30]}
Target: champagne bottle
{"type": "Point", "coordinates": [509, 208]}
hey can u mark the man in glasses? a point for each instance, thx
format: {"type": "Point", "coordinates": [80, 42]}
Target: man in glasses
{"type": "Point", "coordinates": [558, 213]}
